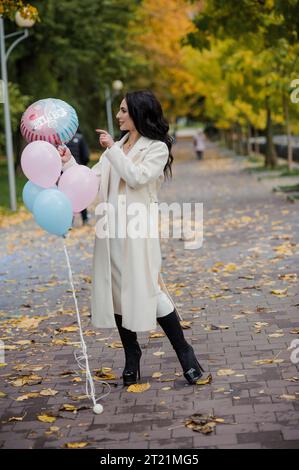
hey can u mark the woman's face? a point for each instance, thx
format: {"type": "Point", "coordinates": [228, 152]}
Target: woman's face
{"type": "Point", "coordinates": [124, 120]}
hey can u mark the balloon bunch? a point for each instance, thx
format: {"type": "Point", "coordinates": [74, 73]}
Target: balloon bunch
{"type": "Point", "coordinates": [51, 197]}
{"type": "Point", "coordinates": [54, 198]}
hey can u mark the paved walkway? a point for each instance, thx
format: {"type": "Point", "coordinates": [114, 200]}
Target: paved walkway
{"type": "Point", "coordinates": [239, 291]}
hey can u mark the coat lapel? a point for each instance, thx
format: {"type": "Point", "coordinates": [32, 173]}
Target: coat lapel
{"type": "Point", "coordinates": [141, 144]}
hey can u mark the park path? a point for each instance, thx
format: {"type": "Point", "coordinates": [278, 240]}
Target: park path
{"type": "Point", "coordinates": [239, 292]}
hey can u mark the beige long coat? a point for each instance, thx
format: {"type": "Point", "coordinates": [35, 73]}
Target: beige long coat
{"type": "Point", "coordinates": [141, 175]}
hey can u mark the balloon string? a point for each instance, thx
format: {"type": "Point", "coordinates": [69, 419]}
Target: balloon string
{"type": "Point", "coordinates": [82, 356]}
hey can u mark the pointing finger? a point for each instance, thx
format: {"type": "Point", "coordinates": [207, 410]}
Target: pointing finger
{"type": "Point", "coordinates": [101, 131]}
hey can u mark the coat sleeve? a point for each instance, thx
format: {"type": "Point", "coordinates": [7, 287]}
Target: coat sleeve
{"type": "Point", "coordinates": [139, 174]}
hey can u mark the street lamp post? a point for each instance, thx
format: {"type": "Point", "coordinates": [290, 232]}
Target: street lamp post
{"type": "Point", "coordinates": [117, 86]}
{"type": "Point", "coordinates": [24, 23]}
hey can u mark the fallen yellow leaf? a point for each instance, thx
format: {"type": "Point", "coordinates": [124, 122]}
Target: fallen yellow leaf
{"type": "Point", "coordinates": [116, 345]}
{"type": "Point", "coordinates": [45, 418]}
{"type": "Point", "coordinates": [68, 329]}
{"type": "Point", "coordinates": [27, 396]}
{"type": "Point", "coordinates": [185, 324]}
{"type": "Point", "coordinates": [205, 381]}
{"type": "Point", "coordinates": [157, 375]}
{"type": "Point", "coordinates": [138, 388]}
{"type": "Point", "coordinates": [268, 361]}
{"type": "Point", "coordinates": [48, 392]}
{"type": "Point", "coordinates": [280, 292]}
{"type": "Point", "coordinates": [224, 372]}
{"type": "Point", "coordinates": [76, 445]}
{"type": "Point", "coordinates": [288, 397]}
{"type": "Point", "coordinates": [156, 335]}
{"type": "Point", "coordinates": [67, 407]}
{"type": "Point", "coordinates": [26, 380]}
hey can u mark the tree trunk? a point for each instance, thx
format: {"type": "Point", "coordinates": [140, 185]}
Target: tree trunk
{"type": "Point", "coordinates": [288, 131]}
{"type": "Point", "coordinates": [271, 156]}
{"type": "Point", "coordinates": [241, 140]}
{"type": "Point", "coordinates": [230, 139]}
{"type": "Point", "coordinates": [256, 143]}
{"type": "Point", "coordinates": [249, 144]}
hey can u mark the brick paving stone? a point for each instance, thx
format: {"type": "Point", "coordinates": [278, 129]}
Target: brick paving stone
{"type": "Point", "coordinates": [155, 419]}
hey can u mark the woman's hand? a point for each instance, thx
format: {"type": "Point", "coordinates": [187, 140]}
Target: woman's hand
{"type": "Point", "coordinates": [105, 139]}
{"type": "Point", "coordinates": [65, 153]}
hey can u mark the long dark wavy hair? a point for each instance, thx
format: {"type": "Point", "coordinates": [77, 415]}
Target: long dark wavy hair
{"type": "Point", "coordinates": [146, 112]}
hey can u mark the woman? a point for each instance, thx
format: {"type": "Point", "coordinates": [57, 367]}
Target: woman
{"type": "Point", "coordinates": [126, 271]}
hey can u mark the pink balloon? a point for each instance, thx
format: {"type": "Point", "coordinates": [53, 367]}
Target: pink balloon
{"type": "Point", "coordinates": [80, 185]}
{"type": "Point", "coordinates": [41, 163]}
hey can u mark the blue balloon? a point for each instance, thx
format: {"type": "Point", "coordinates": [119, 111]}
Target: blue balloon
{"type": "Point", "coordinates": [30, 193]}
{"type": "Point", "coordinates": [53, 211]}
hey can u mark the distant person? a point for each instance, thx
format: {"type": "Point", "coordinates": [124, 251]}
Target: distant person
{"type": "Point", "coordinates": [79, 149]}
{"type": "Point", "coordinates": [199, 144]}
{"type": "Point", "coordinates": [174, 135]}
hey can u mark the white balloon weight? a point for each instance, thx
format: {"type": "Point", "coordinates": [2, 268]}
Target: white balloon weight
{"type": "Point", "coordinates": [98, 409]}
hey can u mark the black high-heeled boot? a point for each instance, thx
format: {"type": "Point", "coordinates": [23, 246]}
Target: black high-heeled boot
{"type": "Point", "coordinates": [185, 353]}
{"type": "Point", "coordinates": [133, 353]}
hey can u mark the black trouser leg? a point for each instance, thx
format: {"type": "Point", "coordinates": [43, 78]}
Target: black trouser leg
{"type": "Point", "coordinates": [84, 215]}
{"type": "Point", "coordinates": [174, 332]}
{"type": "Point", "coordinates": [132, 352]}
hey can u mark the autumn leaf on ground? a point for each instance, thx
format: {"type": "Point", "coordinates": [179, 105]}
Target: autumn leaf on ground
{"type": "Point", "coordinates": [204, 424]}
{"type": "Point", "coordinates": [165, 389]}
{"type": "Point", "coordinates": [46, 418]}
{"type": "Point", "coordinates": [23, 342]}
{"type": "Point", "coordinates": [116, 345]}
{"type": "Point", "coordinates": [3, 395]}
{"type": "Point", "coordinates": [48, 392]}
{"type": "Point", "coordinates": [105, 373]}
{"type": "Point", "coordinates": [157, 375]}
{"type": "Point", "coordinates": [28, 323]}
{"type": "Point", "coordinates": [288, 397]}
{"type": "Point", "coordinates": [280, 292]}
{"type": "Point", "coordinates": [138, 388]}
{"type": "Point", "coordinates": [268, 361]}
{"type": "Point", "coordinates": [156, 335]}
{"type": "Point", "coordinates": [295, 331]}
{"type": "Point", "coordinates": [159, 353]}
{"type": "Point", "coordinates": [17, 418]}
{"type": "Point", "coordinates": [21, 367]}
{"type": "Point", "coordinates": [288, 277]}
{"type": "Point", "coordinates": [230, 267]}
{"type": "Point", "coordinates": [67, 407]}
{"type": "Point", "coordinates": [27, 380]}
{"type": "Point", "coordinates": [185, 324]}
{"type": "Point", "coordinates": [293, 379]}
{"type": "Point", "coordinates": [260, 324]}
{"type": "Point", "coordinates": [76, 380]}
{"type": "Point", "coordinates": [225, 372]}
{"type": "Point", "coordinates": [76, 445]}
{"type": "Point", "coordinates": [205, 381]}
{"type": "Point", "coordinates": [68, 329]}
{"type": "Point", "coordinates": [27, 396]}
